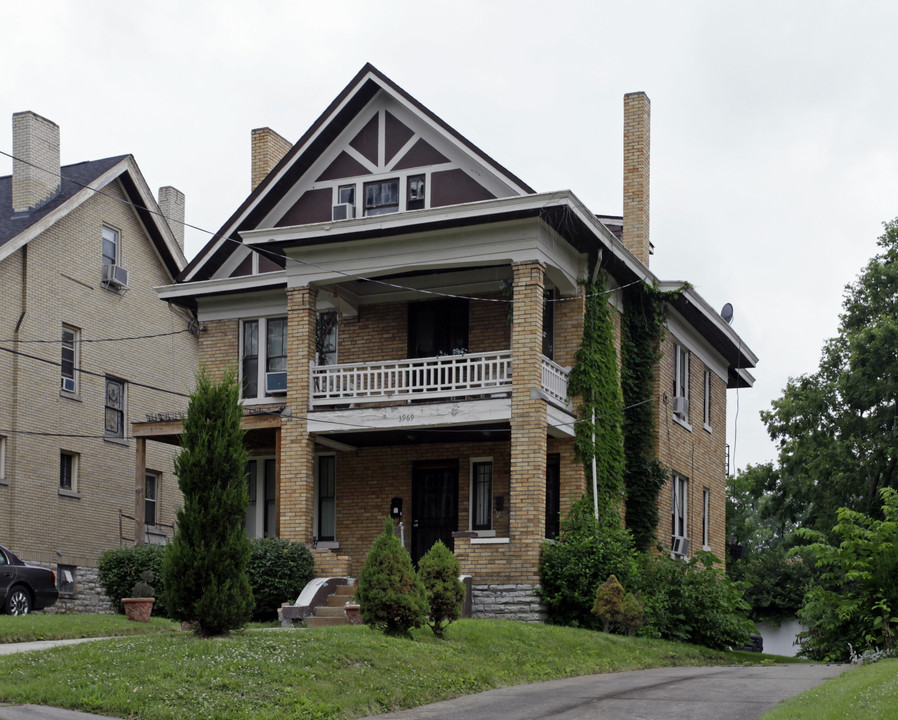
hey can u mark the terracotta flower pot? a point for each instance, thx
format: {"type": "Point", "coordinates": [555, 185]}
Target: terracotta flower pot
{"type": "Point", "coordinates": [138, 609]}
{"type": "Point", "coordinates": [353, 613]}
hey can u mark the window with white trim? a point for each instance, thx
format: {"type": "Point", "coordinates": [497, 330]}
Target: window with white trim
{"type": "Point", "coordinates": [112, 246]}
{"type": "Point", "coordinates": [707, 399]}
{"type": "Point", "coordinates": [68, 472]}
{"type": "Point", "coordinates": [114, 425]}
{"type": "Point", "coordinates": [150, 497]}
{"type": "Point", "coordinates": [679, 514]}
{"type": "Point", "coordinates": [69, 359]}
{"type": "Point", "coordinates": [261, 485]}
{"type": "Point", "coordinates": [263, 349]}
{"type": "Point", "coordinates": [706, 519]}
{"type": "Point", "coordinates": [482, 494]}
{"type": "Point", "coordinates": [3, 478]}
{"type": "Point", "coordinates": [415, 199]}
{"type": "Point", "coordinates": [382, 197]}
{"type": "Point", "coordinates": [326, 498]}
{"type": "Point", "coordinates": [680, 383]}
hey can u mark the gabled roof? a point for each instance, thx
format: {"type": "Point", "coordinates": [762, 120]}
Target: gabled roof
{"type": "Point", "coordinates": [79, 183]}
{"type": "Point", "coordinates": [318, 139]}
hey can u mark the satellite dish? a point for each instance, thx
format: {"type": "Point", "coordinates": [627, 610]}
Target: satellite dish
{"type": "Point", "coordinates": [727, 313]}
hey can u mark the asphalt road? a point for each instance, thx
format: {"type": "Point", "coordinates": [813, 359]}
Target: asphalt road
{"type": "Point", "coordinates": [716, 693]}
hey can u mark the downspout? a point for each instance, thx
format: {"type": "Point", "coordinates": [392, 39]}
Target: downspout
{"type": "Point", "coordinates": [14, 445]}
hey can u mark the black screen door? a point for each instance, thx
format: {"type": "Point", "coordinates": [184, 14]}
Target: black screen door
{"type": "Point", "coordinates": [434, 505]}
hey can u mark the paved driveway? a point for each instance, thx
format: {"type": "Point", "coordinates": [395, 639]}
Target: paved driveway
{"type": "Point", "coordinates": [716, 693]}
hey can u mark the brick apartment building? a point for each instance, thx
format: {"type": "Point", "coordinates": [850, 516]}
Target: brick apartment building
{"type": "Point", "coordinates": [402, 313]}
{"type": "Point", "coordinates": [81, 249]}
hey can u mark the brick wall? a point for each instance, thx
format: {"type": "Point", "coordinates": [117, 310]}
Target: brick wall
{"type": "Point", "coordinates": [696, 454]}
{"type": "Point", "coordinates": [64, 270]}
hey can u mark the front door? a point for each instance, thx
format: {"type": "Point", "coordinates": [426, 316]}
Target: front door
{"type": "Point", "coordinates": [434, 505]}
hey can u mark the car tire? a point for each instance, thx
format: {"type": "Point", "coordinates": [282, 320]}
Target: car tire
{"type": "Point", "coordinates": [18, 601]}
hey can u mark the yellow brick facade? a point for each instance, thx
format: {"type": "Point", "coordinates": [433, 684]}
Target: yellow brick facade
{"type": "Point", "coordinates": [54, 280]}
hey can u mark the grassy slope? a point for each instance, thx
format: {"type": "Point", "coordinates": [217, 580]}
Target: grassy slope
{"type": "Point", "coordinates": [27, 628]}
{"type": "Point", "coordinates": [338, 672]}
{"type": "Point", "coordinates": [869, 692]}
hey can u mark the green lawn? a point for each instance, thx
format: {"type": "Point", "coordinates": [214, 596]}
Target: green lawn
{"type": "Point", "coordinates": [27, 628]}
{"type": "Point", "coordinates": [341, 672]}
{"type": "Point", "coordinates": [867, 692]}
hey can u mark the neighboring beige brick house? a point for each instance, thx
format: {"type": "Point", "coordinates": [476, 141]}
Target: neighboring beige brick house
{"type": "Point", "coordinates": [362, 294]}
{"type": "Point", "coordinates": [81, 249]}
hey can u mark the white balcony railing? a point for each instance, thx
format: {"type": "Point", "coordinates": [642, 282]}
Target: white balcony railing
{"type": "Point", "coordinates": [555, 380]}
{"type": "Point", "coordinates": [455, 376]}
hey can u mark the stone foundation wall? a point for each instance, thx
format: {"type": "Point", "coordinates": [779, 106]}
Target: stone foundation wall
{"type": "Point", "coordinates": [88, 598]}
{"type": "Point", "coordinates": [508, 602]}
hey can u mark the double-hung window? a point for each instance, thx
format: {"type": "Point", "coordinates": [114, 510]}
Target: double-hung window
{"type": "Point", "coordinates": [706, 519]}
{"type": "Point", "coordinates": [112, 246]}
{"type": "Point", "coordinates": [150, 497]}
{"type": "Point", "coordinates": [415, 199]}
{"type": "Point", "coordinates": [263, 350]}
{"type": "Point", "coordinates": [681, 383]}
{"type": "Point", "coordinates": [326, 501]}
{"type": "Point", "coordinates": [69, 359]}
{"type": "Point", "coordinates": [707, 400]}
{"type": "Point", "coordinates": [679, 514]}
{"type": "Point", "coordinates": [115, 408]}
{"type": "Point", "coordinates": [481, 494]}
{"type": "Point", "coordinates": [3, 478]}
{"type": "Point", "coordinates": [68, 472]}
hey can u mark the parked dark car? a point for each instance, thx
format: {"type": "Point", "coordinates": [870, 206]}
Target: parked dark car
{"type": "Point", "coordinates": [23, 587]}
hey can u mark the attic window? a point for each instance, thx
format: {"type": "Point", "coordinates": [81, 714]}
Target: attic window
{"type": "Point", "coordinates": [415, 192]}
{"type": "Point", "coordinates": [382, 198]}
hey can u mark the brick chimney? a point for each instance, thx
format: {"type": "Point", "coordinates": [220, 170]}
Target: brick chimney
{"type": "Point", "coordinates": [637, 112]}
{"type": "Point", "coordinates": [35, 169]}
{"type": "Point", "coordinates": [267, 149]}
{"type": "Point", "coordinates": [171, 202]}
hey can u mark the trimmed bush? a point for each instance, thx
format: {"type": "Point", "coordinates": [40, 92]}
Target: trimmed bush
{"type": "Point", "coordinates": [389, 591]}
{"type": "Point", "coordinates": [119, 569]}
{"type": "Point", "coordinates": [588, 552]}
{"type": "Point", "coordinates": [278, 571]}
{"type": "Point", "coordinates": [439, 570]}
{"type": "Point", "coordinates": [609, 599]}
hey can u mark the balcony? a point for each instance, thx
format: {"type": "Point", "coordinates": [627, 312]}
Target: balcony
{"type": "Point", "coordinates": [468, 376]}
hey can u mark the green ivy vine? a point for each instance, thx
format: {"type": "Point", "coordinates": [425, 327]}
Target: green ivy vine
{"type": "Point", "coordinates": [644, 320]}
{"type": "Point", "coordinates": [595, 379]}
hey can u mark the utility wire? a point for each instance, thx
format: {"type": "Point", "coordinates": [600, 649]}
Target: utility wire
{"type": "Point", "coordinates": [103, 340]}
{"type": "Point", "coordinates": [277, 256]}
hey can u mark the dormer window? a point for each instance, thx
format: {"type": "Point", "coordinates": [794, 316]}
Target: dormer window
{"type": "Point", "coordinates": [382, 198]}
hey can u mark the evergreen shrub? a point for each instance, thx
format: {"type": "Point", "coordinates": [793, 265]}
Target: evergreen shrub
{"type": "Point", "coordinates": [439, 570]}
{"type": "Point", "coordinates": [204, 571]}
{"type": "Point", "coordinates": [278, 571]}
{"type": "Point", "coordinates": [390, 593]}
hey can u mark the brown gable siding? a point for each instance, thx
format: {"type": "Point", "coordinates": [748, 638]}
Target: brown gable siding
{"type": "Point", "coordinates": [312, 206]}
{"type": "Point", "coordinates": [343, 167]}
{"type": "Point", "coordinates": [396, 135]}
{"type": "Point", "coordinates": [421, 153]}
{"type": "Point", "coordinates": [366, 141]}
{"type": "Point", "coordinates": [452, 187]}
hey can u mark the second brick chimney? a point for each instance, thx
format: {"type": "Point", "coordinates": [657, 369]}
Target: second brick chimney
{"type": "Point", "coordinates": [637, 113]}
{"type": "Point", "coordinates": [171, 203]}
{"type": "Point", "coordinates": [267, 151]}
{"type": "Point", "coordinates": [35, 167]}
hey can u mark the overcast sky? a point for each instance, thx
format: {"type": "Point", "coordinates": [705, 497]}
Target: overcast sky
{"type": "Point", "coordinates": [774, 134]}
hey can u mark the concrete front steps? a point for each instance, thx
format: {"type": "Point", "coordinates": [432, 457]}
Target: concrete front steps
{"type": "Point", "coordinates": [332, 613]}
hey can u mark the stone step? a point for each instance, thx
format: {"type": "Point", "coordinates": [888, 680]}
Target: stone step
{"type": "Point", "coordinates": [323, 621]}
{"type": "Point", "coordinates": [345, 590]}
{"type": "Point", "coordinates": [324, 611]}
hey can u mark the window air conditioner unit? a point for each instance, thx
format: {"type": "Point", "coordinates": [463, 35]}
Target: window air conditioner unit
{"type": "Point", "coordinates": [679, 546]}
{"type": "Point", "coordinates": [276, 383]}
{"type": "Point", "coordinates": [343, 211]}
{"type": "Point", "coordinates": [115, 275]}
{"type": "Point", "coordinates": [681, 406]}
{"type": "Point", "coordinates": [68, 384]}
